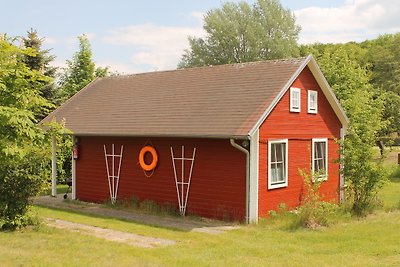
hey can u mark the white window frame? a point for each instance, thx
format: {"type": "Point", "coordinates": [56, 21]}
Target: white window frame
{"type": "Point", "coordinates": [286, 161]}
{"type": "Point", "coordinates": [295, 91]}
{"type": "Point", "coordinates": [310, 108]}
{"type": "Point", "coordinates": [318, 140]}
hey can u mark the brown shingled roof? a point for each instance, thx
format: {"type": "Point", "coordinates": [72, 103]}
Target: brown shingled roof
{"type": "Point", "coordinates": [217, 101]}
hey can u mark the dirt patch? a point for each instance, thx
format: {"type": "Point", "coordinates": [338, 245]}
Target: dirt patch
{"type": "Point", "coordinates": [111, 235]}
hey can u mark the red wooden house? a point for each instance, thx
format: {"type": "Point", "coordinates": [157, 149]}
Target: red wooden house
{"type": "Point", "coordinates": [222, 141]}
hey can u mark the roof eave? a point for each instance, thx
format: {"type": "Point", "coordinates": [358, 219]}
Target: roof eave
{"type": "Point", "coordinates": [325, 87]}
{"type": "Point", "coordinates": [153, 135]}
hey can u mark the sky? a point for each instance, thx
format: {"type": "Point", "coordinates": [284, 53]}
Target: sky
{"type": "Point", "coordinates": [134, 36]}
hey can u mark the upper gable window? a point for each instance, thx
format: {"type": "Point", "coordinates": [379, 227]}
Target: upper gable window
{"type": "Point", "coordinates": [295, 99]}
{"type": "Point", "coordinates": [312, 101]}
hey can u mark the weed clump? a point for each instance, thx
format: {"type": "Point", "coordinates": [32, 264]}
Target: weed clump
{"type": "Point", "coordinates": [146, 206]}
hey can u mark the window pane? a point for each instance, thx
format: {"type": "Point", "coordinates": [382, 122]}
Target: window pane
{"type": "Point", "coordinates": [295, 99]}
{"type": "Point", "coordinates": [312, 101]}
{"type": "Point", "coordinates": [319, 165]}
{"type": "Point", "coordinates": [273, 153]}
{"type": "Point", "coordinates": [278, 163]}
{"type": "Point", "coordinates": [279, 156]}
{"type": "Point", "coordinates": [319, 156]}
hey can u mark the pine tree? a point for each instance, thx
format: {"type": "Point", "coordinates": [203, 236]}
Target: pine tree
{"type": "Point", "coordinates": [39, 60]}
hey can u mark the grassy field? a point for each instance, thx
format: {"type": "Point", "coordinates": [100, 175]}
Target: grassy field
{"type": "Point", "coordinates": [370, 241]}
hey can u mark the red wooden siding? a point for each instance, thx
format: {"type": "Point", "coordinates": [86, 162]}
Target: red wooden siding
{"type": "Point", "coordinates": [299, 129]}
{"type": "Point", "coordinates": [218, 181]}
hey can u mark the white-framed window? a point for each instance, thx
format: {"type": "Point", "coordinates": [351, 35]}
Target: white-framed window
{"type": "Point", "coordinates": [312, 102]}
{"type": "Point", "coordinates": [320, 157]}
{"type": "Point", "coordinates": [295, 99]}
{"type": "Point", "coordinates": [277, 163]}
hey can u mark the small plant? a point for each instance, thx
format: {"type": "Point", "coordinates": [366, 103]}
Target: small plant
{"type": "Point", "coordinates": [313, 212]}
{"type": "Point", "coordinates": [20, 179]}
{"type": "Point", "coordinates": [147, 206]}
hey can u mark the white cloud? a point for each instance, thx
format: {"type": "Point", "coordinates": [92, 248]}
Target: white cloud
{"type": "Point", "coordinates": [356, 20]}
{"type": "Point", "coordinates": [49, 41]}
{"type": "Point", "coordinates": [159, 47]}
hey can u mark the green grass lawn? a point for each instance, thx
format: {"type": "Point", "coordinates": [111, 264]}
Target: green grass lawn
{"type": "Point", "coordinates": [370, 241]}
{"type": "Point", "coordinates": [390, 193]}
{"type": "Point", "coordinates": [61, 189]}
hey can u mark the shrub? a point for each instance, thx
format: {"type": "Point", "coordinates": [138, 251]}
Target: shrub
{"type": "Point", "coordinates": [364, 177]}
{"type": "Point", "coordinates": [313, 212]}
{"type": "Point", "coordinates": [20, 179]}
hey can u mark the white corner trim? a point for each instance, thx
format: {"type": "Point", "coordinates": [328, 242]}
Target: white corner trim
{"type": "Point", "coordinates": [254, 176]}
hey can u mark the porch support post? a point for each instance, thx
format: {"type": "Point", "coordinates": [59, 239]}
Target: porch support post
{"type": "Point", "coordinates": [53, 166]}
{"type": "Point", "coordinates": [73, 172]}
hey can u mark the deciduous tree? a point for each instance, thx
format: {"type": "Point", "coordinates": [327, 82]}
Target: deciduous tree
{"type": "Point", "coordinates": [242, 33]}
{"type": "Point", "coordinates": [80, 71]}
{"type": "Point", "coordinates": [350, 81]}
{"type": "Point", "coordinates": [22, 154]}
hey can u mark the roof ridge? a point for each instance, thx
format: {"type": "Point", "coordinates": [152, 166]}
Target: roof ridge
{"type": "Point", "coordinates": [205, 67]}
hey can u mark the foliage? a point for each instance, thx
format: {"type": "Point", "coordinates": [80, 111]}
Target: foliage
{"type": "Point", "coordinates": [23, 158]}
{"type": "Point", "coordinates": [20, 179]}
{"type": "Point", "coordinates": [39, 60]}
{"type": "Point", "coordinates": [313, 212]}
{"type": "Point", "coordinates": [146, 206]}
{"type": "Point", "coordinates": [242, 33]}
{"type": "Point", "coordinates": [384, 55]}
{"type": "Point", "coordinates": [364, 107]}
{"type": "Point", "coordinates": [391, 113]}
{"type": "Point", "coordinates": [63, 149]}
{"type": "Point", "coordinates": [80, 71]}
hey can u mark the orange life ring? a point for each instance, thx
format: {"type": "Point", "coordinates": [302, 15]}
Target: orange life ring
{"type": "Point", "coordinates": [153, 164]}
